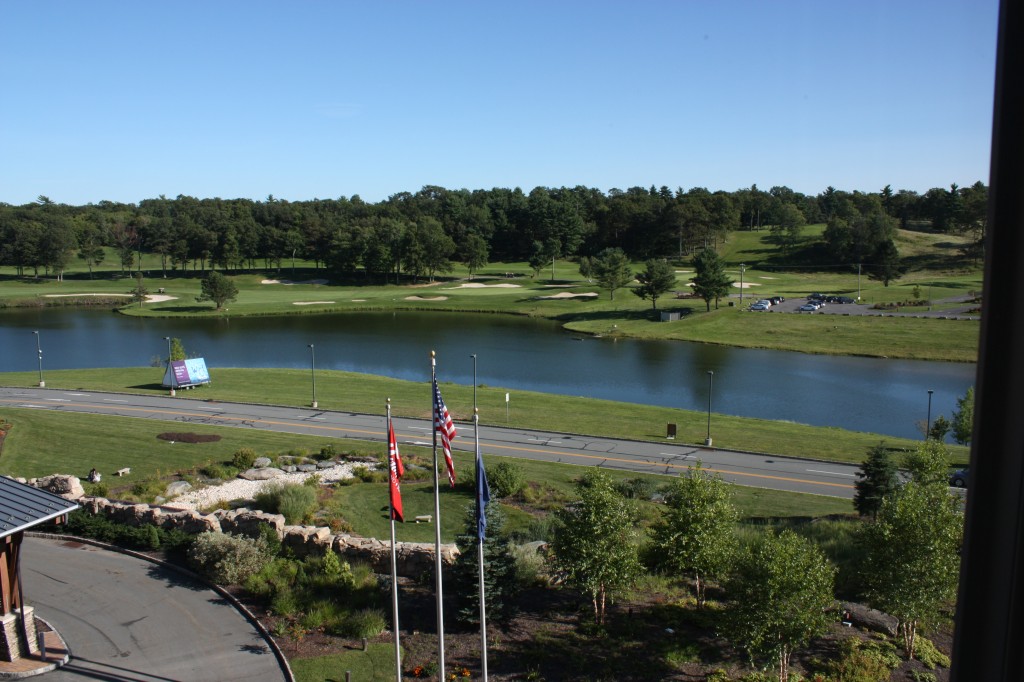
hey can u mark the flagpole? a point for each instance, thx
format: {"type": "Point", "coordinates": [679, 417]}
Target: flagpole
{"type": "Point", "coordinates": [394, 561]}
{"type": "Point", "coordinates": [480, 540]}
{"type": "Point", "coordinates": [437, 525]}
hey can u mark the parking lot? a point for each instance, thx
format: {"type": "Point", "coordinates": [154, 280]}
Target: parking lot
{"type": "Point", "coordinates": [792, 305]}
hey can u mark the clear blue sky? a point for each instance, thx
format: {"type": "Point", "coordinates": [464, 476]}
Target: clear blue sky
{"type": "Point", "coordinates": [129, 100]}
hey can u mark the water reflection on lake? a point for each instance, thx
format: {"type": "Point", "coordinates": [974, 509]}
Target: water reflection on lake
{"type": "Point", "coordinates": [864, 394]}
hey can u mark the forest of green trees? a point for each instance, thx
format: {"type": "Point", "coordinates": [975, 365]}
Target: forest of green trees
{"type": "Point", "coordinates": [421, 234]}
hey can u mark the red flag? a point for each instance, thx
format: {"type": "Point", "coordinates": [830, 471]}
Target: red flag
{"type": "Point", "coordinates": [395, 472]}
{"type": "Point", "coordinates": [446, 429]}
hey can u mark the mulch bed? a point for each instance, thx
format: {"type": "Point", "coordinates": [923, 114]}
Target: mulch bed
{"type": "Point", "coordinates": [189, 437]}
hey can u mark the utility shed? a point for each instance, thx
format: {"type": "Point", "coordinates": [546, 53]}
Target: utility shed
{"type": "Point", "coordinates": [21, 508]}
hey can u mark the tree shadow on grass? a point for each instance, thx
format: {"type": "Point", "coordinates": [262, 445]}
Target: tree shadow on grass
{"type": "Point", "coordinates": [614, 316]}
{"type": "Point", "coordinates": [181, 308]}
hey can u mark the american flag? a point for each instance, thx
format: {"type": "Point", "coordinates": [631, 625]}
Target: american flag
{"type": "Point", "coordinates": [446, 429]}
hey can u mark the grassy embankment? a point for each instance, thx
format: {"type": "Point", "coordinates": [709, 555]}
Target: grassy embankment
{"type": "Point", "coordinates": [625, 315]}
{"type": "Point", "coordinates": [364, 393]}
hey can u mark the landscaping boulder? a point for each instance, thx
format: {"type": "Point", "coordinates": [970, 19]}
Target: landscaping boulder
{"type": "Point", "coordinates": [261, 462]}
{"type": "Point", "coordinates": [177, 488]}
{"type": "Point", "coordinates": [306, 541]}
{"type": "Point", "coordinates": [248, 522]}
{"type": "Point", "coordinates": [870, 619]}
{"type": "Point", "coordinates": [264, 474]}
{"type": "Point", "coordinates": [68, 487]}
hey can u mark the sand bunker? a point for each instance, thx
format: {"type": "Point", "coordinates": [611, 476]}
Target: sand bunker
{"type": "Point", "coordinates": [64, 295]}
{"type": "Point", "coordinates": [359, 300]}
{"type": "Point", "coordinates": [312, 302]}
{"type": "Point", "coordinates": [763, 277]}
{"type": "Point", "coordinates": [566, 294]}
{"type": "Point", "coordinates": [150, 298]}
{"type": "Point", "coordinates": [684, 272]}
{"type": "Point", "coordinates": [746, 285]}
{"type": "Point", "coordinates": [481, 285]}
{"type": "Point", "coordinates": [288, 281]}
{"type": "Point", "coordinates": [426, 298]}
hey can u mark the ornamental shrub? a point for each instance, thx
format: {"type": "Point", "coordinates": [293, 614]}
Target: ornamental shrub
{"type": "Point", "coordinates": [928, 655]}
{"type": "Point", "coordinates": [365, 623]}
{"type": "Point", "coordinates": [863, 661]}
{"type": "Point", "coordinates": [243, 458]}
{"type": "Point", "coordinates": [295, 501]}
{"type": "Point", "coordinates": [227, 559]}
{"type": "Point", "coordinates": [506, 479]}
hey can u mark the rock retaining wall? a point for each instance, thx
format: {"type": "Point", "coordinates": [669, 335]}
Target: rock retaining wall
{"type": "Point", "coordinates": [413, 558]}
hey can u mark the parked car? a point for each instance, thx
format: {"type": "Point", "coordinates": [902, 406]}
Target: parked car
{"type": "Point", "coordinates": [808, 308]}
{"type": "Point", "coordinates": [765, 302]}
{"type": "Point", "coordinates": [776, 299]}
{"type": "Point", "coordinates": [845, 299]}
{"type": "Point", "coordinates": [815, 297]}
{"type": "Point", "coordinates": [958, 479]}
{"type": "Point", "coordinates": [759, 306]}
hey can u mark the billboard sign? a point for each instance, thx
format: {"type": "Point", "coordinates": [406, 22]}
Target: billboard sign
{"type": "Point", "coordinates": [183, 373]}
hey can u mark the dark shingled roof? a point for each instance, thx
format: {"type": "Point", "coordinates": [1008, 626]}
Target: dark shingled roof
{"type": "Point", "coordinates": [22, 506]}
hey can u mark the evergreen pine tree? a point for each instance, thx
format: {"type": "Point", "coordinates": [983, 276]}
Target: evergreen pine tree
{"type": "Point", "coordinates": [500, 585]}
{"type": "Point", "coordinates": [875, 481]}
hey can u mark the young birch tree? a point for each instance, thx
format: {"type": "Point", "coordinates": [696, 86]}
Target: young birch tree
{"type": "Point", "coordinates": [697, 534]}
{"type": "Point", "coordinates": [911, 553]}
{"type": "Point", "coordinates": [594, 543]}
{"type": "Point", "coordinates": [781, 593]}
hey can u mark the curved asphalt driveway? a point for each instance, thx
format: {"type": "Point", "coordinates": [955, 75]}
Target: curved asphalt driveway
{"type": "Point", "coordinates": [127, 619]}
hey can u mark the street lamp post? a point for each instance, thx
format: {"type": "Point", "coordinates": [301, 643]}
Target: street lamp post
{"type": "Point", "coordinates": [474, 378]}
{"type": "Point", "coordinates": [928, 421]}
{"type": "Point", "coordinates": [711, 383]}
{"type": "Point", "coordinates": [743, 269]}
{"type": "Point", "coordinates": [170, 372]}
{"type": "Point", "coordinates": [312, 373]}
{"type": "Point", "coordinates": [39, 354]}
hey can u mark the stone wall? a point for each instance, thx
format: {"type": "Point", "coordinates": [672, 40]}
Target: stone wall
{"type": "Point", "coordinates": [412, 558]}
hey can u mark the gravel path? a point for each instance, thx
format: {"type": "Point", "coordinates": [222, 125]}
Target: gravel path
{"type": "Point", "coordinates": [241, 489]}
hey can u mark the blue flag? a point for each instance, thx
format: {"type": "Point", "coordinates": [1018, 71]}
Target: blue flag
{"type": "Point", "coordinates": [483, 496]}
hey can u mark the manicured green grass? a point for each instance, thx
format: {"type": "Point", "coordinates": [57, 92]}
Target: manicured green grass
{"type": "Point", "coordinates": [376, 664]}
{"type": "Point", "coordinates": [43, 442]}
{"type": "Point", "coordinates": [365, 393]}
{"type": "Point", "coordinates": [868, 335]}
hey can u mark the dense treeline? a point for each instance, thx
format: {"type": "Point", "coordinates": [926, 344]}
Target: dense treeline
{"type": "Point", "coordinates": [421, 234]}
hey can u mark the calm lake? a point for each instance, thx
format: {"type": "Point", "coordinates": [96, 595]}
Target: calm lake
{"type": "Point", "coordinates": [863, 394]}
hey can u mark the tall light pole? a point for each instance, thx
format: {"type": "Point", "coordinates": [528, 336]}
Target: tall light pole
{"type": "Point", "coordinates": [743, 269]}
{"type": "Point", "coordinates": [39, 353]}
{"type": "Point", "coordinates": [474, 378]}
{"type": "Point", "coordinates": [711, 384]}
{"type": "Point", "coordinates": [928, 422]}
{"type": "Point", "coordinates": [170, 372]}
{"type": "Point", "coordinates": [312, 372]}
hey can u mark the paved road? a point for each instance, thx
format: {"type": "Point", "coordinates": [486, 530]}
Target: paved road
{"type": "Point", "coordinates": [666, 457]}
{"type": "Point", "coordinates": [127, 619]}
